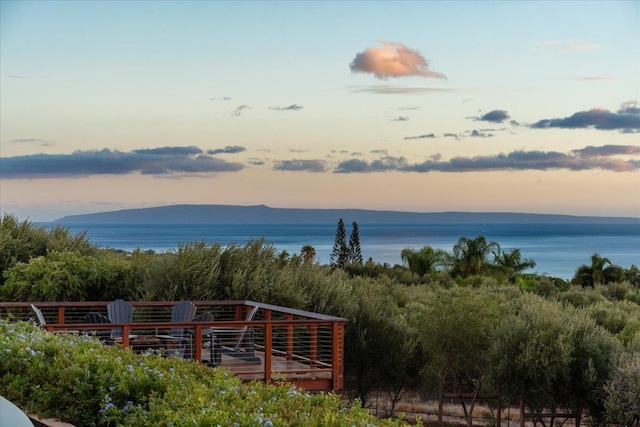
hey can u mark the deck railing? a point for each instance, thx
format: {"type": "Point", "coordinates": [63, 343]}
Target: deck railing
{"type": "Point", "coordinates": [276, 343]}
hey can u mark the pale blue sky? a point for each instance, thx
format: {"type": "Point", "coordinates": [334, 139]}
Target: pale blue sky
{"type": "Point", "coordinates": [91, 90]}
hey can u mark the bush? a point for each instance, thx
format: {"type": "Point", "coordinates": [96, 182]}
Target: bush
{"type": "Point", "coordinates": [66, 276]}
{"type": "Point", "coordinates": [76, 379]}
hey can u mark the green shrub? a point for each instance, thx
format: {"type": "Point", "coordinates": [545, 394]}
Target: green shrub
{"type": "Point", "coordinates": [66, 276]}
{"type": "Point", "coordinates": [76, 379]}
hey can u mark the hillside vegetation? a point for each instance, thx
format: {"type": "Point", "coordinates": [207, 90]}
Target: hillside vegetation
{"type": "Point", "coordinates": [462, 321]}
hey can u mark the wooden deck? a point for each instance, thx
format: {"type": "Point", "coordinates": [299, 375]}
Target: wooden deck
{"type": "Point", "coordinates": [254, 341]}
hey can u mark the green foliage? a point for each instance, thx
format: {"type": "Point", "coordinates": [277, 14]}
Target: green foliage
{"type": "Point", "coordinates": [21, 241]}
{"type": "Point", "coordinates": [623, 392]}
{"type": "Point", "coordinates": [409, 326]}
{"type": "Point", "coordinates": [191, 272]}
{"type": "Point", "coordinates": [551, 356]}
{"type": "Point", "coordinates": [65, 276]}
{"type": "Point", "coordinates": [613, 315]}
{"type": "Point", "coordinates": [598, 272]}
{"type": "Point", "coordinates": [355, 252]}
{"type": "Point", "coordinates": [376, 325]}
{"type": "Point", "coordinates": [308, 253]}
{"type": "Point", "coordinates": [426, 260]}
{"type": "Point", "coordinates": [471, 256]}
{"type": "Point", "coordinates": [85, 383]}
{"type": "Point", "coordinates": [340, 253]}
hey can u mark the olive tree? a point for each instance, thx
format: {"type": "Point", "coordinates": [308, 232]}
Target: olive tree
{"type": "Point", "coordinates": [623, 392]}
{"type": "Point", "coordinates": [552, 356]}
{"type": "Point", "coordinates": [456, 327]}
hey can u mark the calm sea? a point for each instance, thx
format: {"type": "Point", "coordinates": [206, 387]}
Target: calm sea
{"type": "Point", "coordinates": [558, 249]}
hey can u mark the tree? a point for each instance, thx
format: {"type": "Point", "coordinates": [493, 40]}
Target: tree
{"type": "Point", "coordinates": [623, 389]}
{"type": "Point", "coordinates": [471, 256]}
{"type": "Point", "coordinates": [512, 264]}
{"type": "Point", "coordinates": [355, 253]}
{"type": "Point", "coordinates": [308, 253]}
{"type": "Point", "coordinates": [598, 273]}
{"type": "Point", "coordinates": [552, 356]}
{"type": "Point", "coordinates": [426, 260]}
{"type": "Point", "coordinates": [456, 328]}
{"type": "Point", "coordinates": [340, 254]}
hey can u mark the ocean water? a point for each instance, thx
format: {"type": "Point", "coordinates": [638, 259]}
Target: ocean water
{"type": "Point", "coordinates": [558, 249]}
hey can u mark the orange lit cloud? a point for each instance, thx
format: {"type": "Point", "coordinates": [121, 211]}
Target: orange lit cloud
{"type": "Point", "coordinates": [392, 60]}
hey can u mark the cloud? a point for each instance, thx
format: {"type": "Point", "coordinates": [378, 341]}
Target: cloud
{"type": "Point", "coordinates": [292, 107]}
{"type": "Point", "coordinates": [627, 119]}
{"type": "Point", "coordinates": [256, 162]}
{"type": "Point", "coordinates": [297, 165]}
{"type": "Point", "coordinates": [15, 76]}
{"type": "Point", "coordinates": [38, 141]}
{"type": "Point", "coordinates": [164, 161]}
{"type": "Point", "coordinates": [607, 150]}
{"type": "Point", "coordinates": [452, 135]}
{"type": "Point", "coordinates": [424, 136]}
{"type": "Point", "coordinates": [397, 90]}
{"type": "Point", "coordinates": [400, 119]}
{"type": "Point", "coordinates": [384, 164]}
{"type": "Point", "coordinates": [224, 98]}
{"type": "Point", "coordinates": [477, 134]}
{"type": "Point", "coordinates": [229, 149]}
{"type": "Point", "coordinates": [629, 107]}
{"type": "Point", "coordinates": [392, 60]}
{"type": "Point", "coordinates": [588, 158]}
{"type": "Point", "coordinates": [409, 108]}
{"type": "Point", "coordinates": [494, 116]}
{"type": "Point", "coordinates": [238, 111]}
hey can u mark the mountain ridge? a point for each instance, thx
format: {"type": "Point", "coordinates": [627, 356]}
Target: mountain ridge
{"type": "Point", "coordinates": [258, 214]}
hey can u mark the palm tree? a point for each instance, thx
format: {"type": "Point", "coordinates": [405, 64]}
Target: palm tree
{"type": "Point", "coordinates": [596, 273]}
{"type": "Point", "coordinates": [512, 264]}
{"type": "Point", "coordinates": [424, 261]}
{"type": "Point", "coordinates": [471, 256]}
{"type": "Point", "coordinates": [308, 253]}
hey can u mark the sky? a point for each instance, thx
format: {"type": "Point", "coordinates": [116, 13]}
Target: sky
{"type": "Point", "coordinates": [408, 106]}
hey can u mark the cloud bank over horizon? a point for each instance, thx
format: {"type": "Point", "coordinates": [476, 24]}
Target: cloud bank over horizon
{"type": "Point", "coordinates": [191, 160]}
{"type": "Point", "coordinates": [152, 161]}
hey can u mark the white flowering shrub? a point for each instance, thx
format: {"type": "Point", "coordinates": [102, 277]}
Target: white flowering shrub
{"type": "Point", "coordinates": [78, 380]}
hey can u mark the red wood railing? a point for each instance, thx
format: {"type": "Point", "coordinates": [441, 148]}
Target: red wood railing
{"type": "Point", "coordinates": [304, 348]}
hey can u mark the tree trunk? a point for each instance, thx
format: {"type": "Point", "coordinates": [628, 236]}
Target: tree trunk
{"type": "Point", "coordinates": [440, 402]}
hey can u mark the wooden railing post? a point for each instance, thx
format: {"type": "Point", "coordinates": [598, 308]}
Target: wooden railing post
{"type": "Point", "coordinates": [337, 355]}
{"type": "Point", "coordinates": [60, 315]}
{"type": "Point", "coordinates": [126, 329]}
{"type": "Point", "coordinates": [197, 343]}
{"type": "Point", "coordinates": [267, 349]}
{"type": "Point", "coordinates": [313, 345]}
{"type": "Point", "coordinates": [290, 338]}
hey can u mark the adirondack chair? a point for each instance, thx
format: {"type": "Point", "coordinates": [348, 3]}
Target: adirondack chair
{"type": "Point", "coordinates": [42, 322]}
{"type": "Point", "coordinates": [182, 312]}
{"type": "Point", "coordinates": [39, 315]}
{"type": "Point", "coordinates": [93, 317]}
{"type": "Point", "coordinates": [237, 342]}
{"type": "Point", "coordinates": [208, 338]}
{"type": "Point", "coordinates": [119, 311]}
